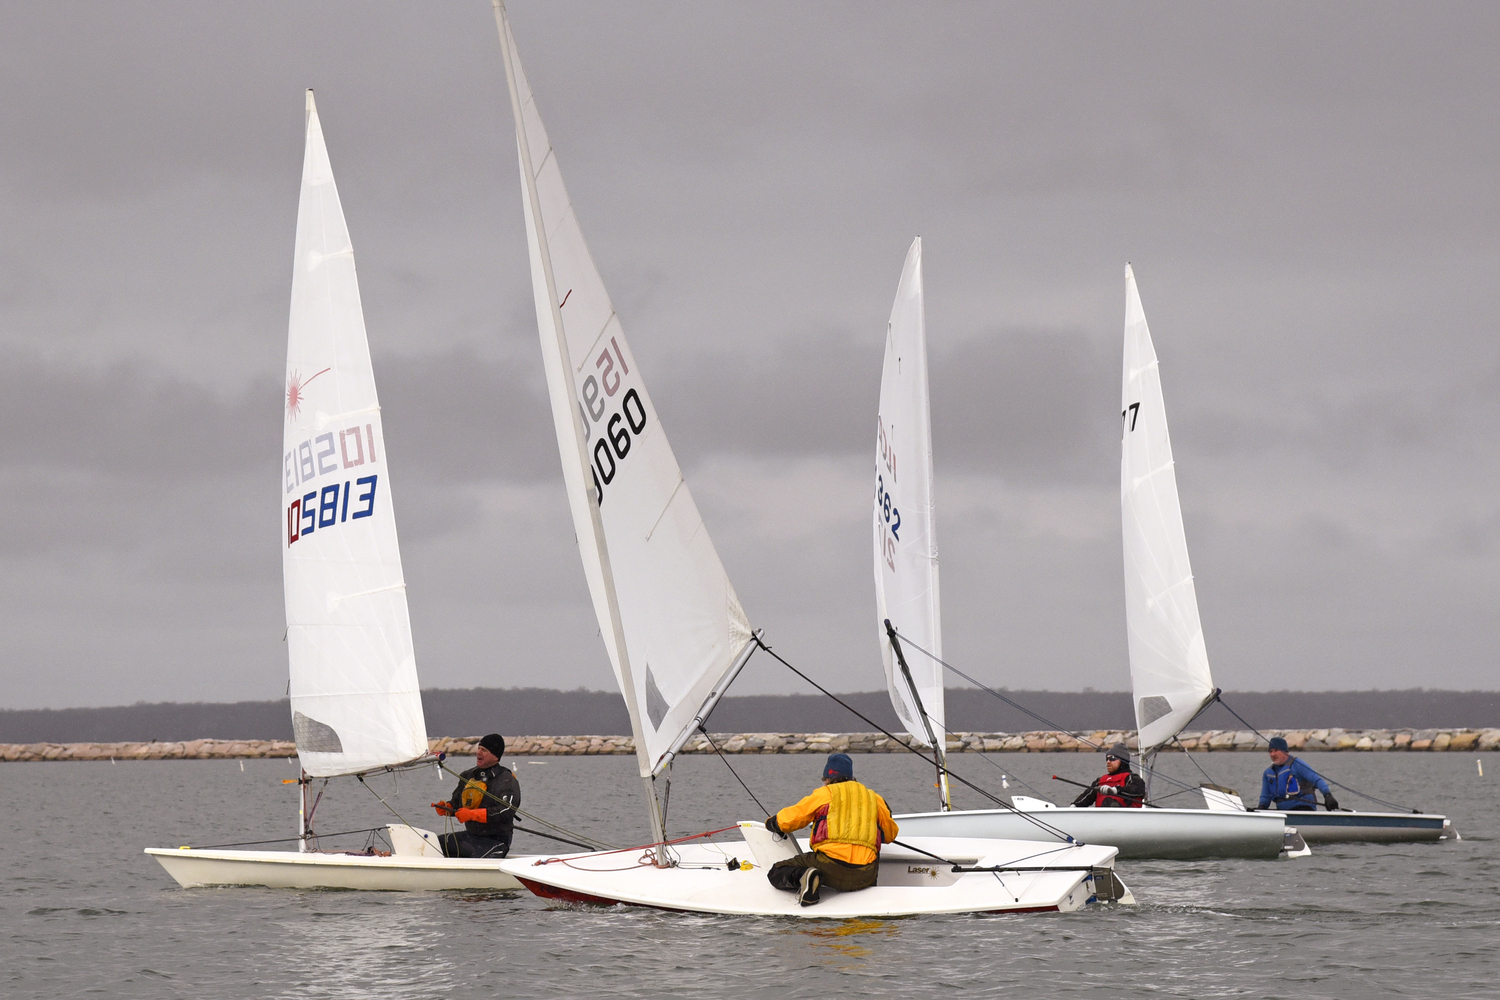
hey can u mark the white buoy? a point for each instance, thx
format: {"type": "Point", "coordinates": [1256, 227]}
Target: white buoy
{"type": "Point", "coordinates": [242, 765]}
{"type": "Point", "coordinates": [1480, 762]}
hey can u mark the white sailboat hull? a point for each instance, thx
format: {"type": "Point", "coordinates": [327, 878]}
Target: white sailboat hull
{"type": "Point", "coordinates": [1178, 834]}
{"type": "Point", "coordinates": [910, 883]}
{"type": "Point", "coordinates": [416, 865]}
{"type": "Point", "coordinates": [288, 870]}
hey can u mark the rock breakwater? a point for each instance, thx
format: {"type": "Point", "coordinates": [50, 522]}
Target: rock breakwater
{"type": "Point", "coordinates": [1212, 741]}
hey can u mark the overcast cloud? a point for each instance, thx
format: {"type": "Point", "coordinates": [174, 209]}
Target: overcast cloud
{"type": "Point", "coordinates": [1308, 194]}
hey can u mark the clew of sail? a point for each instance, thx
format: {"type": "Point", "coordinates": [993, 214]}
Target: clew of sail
{"type": "Point", "coordinates": [906, 558]}
{"type": "Point", "coordinates": [354, 692]}
{"type": "Point", "coordinates": [1169, 672]}
{"type": "Point", "coordinates": [670, 620]}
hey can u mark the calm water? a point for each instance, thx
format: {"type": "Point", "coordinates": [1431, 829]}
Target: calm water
{"type": "Point", "coordinates": [86, 913]}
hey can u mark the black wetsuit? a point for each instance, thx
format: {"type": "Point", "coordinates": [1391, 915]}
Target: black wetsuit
{"type": "Point", "coordinates": [479, 788]}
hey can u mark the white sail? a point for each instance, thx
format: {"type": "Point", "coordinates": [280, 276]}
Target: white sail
{"type": "Point", "coordinates": [1169, 672]}
{"type": "Point", "coordinates": [669, 617]}
{"type": "Point", "coordinates": [354, 695]}
{"type": "Point", "coordinates": [906, 558]}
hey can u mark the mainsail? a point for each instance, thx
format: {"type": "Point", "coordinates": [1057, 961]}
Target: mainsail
{"type": "Point", "coordinates": [354, 694]}
{"type": "Point", "coordinates": [1169, 672]}
{"type": "Point", "coordinates": [669, 617]}
{"type": "Point", "coordinates": [906, 558]}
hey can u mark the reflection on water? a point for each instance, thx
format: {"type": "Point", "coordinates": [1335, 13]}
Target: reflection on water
{"type": "Point", "coordinates": [837, 937]}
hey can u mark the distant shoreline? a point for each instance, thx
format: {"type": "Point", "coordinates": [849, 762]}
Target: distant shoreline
{"type": "Point", "coordinates": [543, 711]}
{"type": "Point", "coordinates": [1042, 741]}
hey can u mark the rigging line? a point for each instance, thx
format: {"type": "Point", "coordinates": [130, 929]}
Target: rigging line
{"type": "Point", "coordinates": [1007, 775]}
{"type": "Point", "coordinates": [383, 802]}
{"type": "Point", "coordinates": [732, 770]}
{"type": "Point", "coordinates": [989, 690]}
{"type": "Point", "coordinates": [1034, 821]}
{"type": "Point", "coordinates": [1355, 791]}
{"type": "Point", "coordinates": [553, 836]}
{"type": "Point", "coordinates": [1004, 774]}
{"type": "Point", "coordinates": [639, 847]}
{"type": "Point", "coordinates": [1208, 777]}
{"type": "Point", "coordinates": [597, 844]}
{"type": "Point", "coordinates": [282, 840]}
{"type": "Point", "coordinates": [1022, 708]}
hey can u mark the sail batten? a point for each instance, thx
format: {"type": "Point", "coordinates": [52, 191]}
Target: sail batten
{"type": "Point", "coordinates": [1169, 669]}
{"type": "Point", "coordinates": [354, 692]}
{"type": "Point", "coordinates": [671, 622]}
{"type": "Point", "coordinates": [904, 531]}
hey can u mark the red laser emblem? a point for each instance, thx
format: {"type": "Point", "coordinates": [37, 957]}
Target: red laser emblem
{"type": "Point", "coordinates": [296, 391]}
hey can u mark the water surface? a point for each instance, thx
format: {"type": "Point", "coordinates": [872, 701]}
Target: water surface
{"type": "Point", "coordinates": [85, 913]}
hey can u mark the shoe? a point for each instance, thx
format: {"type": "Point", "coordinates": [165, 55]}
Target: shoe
{"type": "Point", "coordinates": [812, 881]}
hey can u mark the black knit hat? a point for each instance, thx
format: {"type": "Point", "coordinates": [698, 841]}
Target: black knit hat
{"type": "Point", "coordinates": [494, 743]}
{"type": "Point", "coordinates": [1121, 751]}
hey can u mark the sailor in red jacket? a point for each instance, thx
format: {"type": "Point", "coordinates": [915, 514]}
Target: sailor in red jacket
{"type": "Point", "coordinates": [1118, 786]}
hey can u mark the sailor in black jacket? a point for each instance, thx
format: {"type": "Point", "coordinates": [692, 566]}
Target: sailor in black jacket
{"type": "Point", "coordinates": [485, 803]}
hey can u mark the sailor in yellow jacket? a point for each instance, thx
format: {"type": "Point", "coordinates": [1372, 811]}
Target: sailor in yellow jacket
{"type": "Point", "coordinates": [849, 823]}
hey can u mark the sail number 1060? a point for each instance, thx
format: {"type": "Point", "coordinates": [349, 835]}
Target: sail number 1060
{"type": "Point", "coordinates": [620, 426]}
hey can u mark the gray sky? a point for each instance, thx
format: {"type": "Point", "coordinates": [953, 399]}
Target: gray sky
{"type": "Point", "coordinates": [1308, 193]}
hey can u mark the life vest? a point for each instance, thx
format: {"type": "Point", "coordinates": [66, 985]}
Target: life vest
{"type": "Point", "coordinates": [851, 817]}
{"type": "Point", "coordinates": [1286, 787]}
{"type": "Point", "coordinates": [1105, 797]}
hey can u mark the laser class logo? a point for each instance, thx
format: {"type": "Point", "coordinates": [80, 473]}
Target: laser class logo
{"type": "Point", "coordinates": [296, 392]}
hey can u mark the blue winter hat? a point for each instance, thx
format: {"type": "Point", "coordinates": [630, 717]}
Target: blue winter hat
{"type": "Point", "coordinates": [839, 765]}
{"type": "Point", "coordinates": [1277, 743]}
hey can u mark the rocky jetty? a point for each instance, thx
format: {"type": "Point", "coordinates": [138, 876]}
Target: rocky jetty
{"type": "Point", "coordinates": [1212, 741]}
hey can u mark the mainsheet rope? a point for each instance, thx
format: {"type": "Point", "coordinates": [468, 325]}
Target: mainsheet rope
{"type": "Point", "coordinates": [645, 859]}
{"type": "Point", "coordinates": [593, 844]}
{"type": "Point", "coordinates": [1355, 791]}
{"type": "Point", "coordinates": [285, 840]}
{"type": "Point", "coordinates": [731, 768]}
{"type": "Point", "coordinates": [1039, 824]}
{"type": "Point", "coordinates": [1184, 786]}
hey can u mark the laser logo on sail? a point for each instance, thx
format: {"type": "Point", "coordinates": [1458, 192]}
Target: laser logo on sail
{"type": "Point", "coordinates": [295, 393]}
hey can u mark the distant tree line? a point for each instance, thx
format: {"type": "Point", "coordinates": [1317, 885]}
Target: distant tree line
{"type": "Point", "coordinates": [544, 712]}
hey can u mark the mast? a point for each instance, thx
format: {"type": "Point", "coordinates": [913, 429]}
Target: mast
{"type": "Point", "coordinates": [939, 747]}
{"type": "Point", "coordinates": [562, 379]}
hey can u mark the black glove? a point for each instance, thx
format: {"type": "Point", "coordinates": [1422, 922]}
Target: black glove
{"type": "Point", "coordinates": [1330, 803]}
{"type": "Point", "coordinates": [774, 827]}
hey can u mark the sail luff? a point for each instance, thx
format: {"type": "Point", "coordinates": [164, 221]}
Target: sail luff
{"type": "Point", "coordinates": [355, 698]}
{"type": "Point", "coordinates": [671, 621]}
{"type": "Point", "coordinates": [1169, 669]}
{"type": "Point", "coordinates": [905, 538]}
{"type": "Point", "coordinates": [567, 419]}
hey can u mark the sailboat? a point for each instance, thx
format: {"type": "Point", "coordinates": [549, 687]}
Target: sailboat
{"type": "Point", "coordinates": [1169, 672]}
{"type": "Point", "coordinates": [674, 630]}
{"type": "Point", "coordinates": [355, 702]}
{"type": "Point", "coordinates": [1168, 664]}
{"type": "Point", "coordinates": [906, 557]}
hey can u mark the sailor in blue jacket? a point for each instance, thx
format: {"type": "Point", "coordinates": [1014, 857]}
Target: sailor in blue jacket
{"type": "Point", "coordinates": [1289, 783]}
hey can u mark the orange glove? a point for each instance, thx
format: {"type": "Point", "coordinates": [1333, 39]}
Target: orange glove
{"type": "Point", "coordinates": [472, 815]}
{"type": "Point", "coordinates": [443, 808]}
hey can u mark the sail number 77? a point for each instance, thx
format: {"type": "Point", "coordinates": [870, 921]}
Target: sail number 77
{"type": "Point", "coordinates": [1132, 411]}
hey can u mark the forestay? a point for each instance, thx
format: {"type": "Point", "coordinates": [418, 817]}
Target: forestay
{"type": "Point", "coordinates": [1168, 662]}
{"type": "Point", "coordinates": [906, 558]}
{"type": "Point", "coordinates": [354, 693]}
{"type": "Point", "coordinates": [667, 612]}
